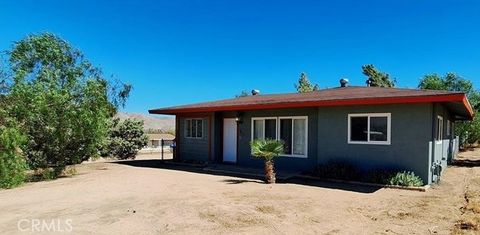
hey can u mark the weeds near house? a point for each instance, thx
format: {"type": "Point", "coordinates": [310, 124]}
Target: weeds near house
{"type": "Point", "coordinates": [406, 178]}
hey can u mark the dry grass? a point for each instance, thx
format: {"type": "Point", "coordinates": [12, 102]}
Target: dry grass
{"type": "Point", "coordinates": [266, 209]}
{"type": "Point", "coordinates": [467, 226]}
{"type": "Point", "coordinates": [470, 219]}
{"type": "Point", "coordinates": [473, 201]}
{"type": "Point", "coordinates": [69, 171]}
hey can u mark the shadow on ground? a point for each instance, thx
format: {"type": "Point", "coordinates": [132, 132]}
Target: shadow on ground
{"type": "Point", "coordinates": [169, 165]}
{"type": "Point", "coordinates": [466, 163]}
{"type": "Point", "coordinates": [241, 181]}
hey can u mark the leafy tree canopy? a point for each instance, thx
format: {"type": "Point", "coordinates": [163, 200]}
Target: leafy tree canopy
{"type": "Point", "coordinates": [62, 101]}
{"type": "Point", "coordinates": [304, 85]}
{"type": "Point", "coordinates": [451, 82]}
{"type": "Point", "coordinates": [377, 78]}
{"type": "Point", "coordinates": [469, 132]}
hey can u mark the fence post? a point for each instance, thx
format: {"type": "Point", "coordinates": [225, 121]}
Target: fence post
{"type": "Point", "coordinates": [163, 143]}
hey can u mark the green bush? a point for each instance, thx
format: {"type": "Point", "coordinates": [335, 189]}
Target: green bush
{"type": "Point", "coordinates": [12, 162]}
{"type": "Point", "coordinates": [406, 178]}
{"type": "Point", "coordinates": [124, 139]}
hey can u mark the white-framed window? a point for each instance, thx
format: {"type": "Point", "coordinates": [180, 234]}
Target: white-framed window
{"type": "Point", "coordinates": [293, 131]}
{"type": "Point", "coordinates": [264, 128]}
{"type": "Point", "coordinates": [439, 130]}
{"type": "Point", "coordinates": [194, 128]}
{"type": "Point", "coordinates": [369, 128]}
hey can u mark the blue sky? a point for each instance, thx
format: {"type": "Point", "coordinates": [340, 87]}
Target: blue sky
{"type": "Point", "coordinates": [177, 52]}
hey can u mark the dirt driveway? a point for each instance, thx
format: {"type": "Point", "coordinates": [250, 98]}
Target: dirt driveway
{"type": "Point", "coordinates": [110, 198]}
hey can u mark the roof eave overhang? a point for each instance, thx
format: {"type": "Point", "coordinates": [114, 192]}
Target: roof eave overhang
{"type": "Point", "coordinates": [344, 102]}
{"type": "Point", "coordinates": [469, 108]}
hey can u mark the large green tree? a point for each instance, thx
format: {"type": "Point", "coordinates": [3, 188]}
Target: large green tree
{"type": "Point", "coordinates": [376, 77]}
{"type": "Point", "coordinates": [62, 101]}
{"type": "Point", "coordinates": [469, 132]}
{"type": "Point", "coordinates": [304, 85]}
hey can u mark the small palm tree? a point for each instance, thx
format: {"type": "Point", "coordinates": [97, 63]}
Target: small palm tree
{"type": "Point", "coordinates": [267, 149]}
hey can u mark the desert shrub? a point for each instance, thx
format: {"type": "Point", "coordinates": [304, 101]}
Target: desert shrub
{"type": "Point", "coordinates": [12, 162]}
{"type": "Point", "coordinates": [406, 178]}
{"type": "Point", "coordinates": [125, 139]}
{"type": "Point", "coordinates": [338, 170]}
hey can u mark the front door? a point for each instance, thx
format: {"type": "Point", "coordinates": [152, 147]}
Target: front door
{"type": "Point", "coordinates": [229, 140]}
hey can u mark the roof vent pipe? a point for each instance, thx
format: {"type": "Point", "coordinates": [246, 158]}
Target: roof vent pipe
{"type": "Point", "coordinates": [343, 82]}
{"type": "Point", "coordinates": [255, 92]}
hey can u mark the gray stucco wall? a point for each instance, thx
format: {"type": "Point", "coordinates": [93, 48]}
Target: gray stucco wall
{"type": "Point", "coordinates": [441, 150]}
{"type": "Point", "coordinates": [193, 148]}
{"type": "Point", "coordinates": [282, 162]}
{"type": "Point", "coordinates": [410, 135]}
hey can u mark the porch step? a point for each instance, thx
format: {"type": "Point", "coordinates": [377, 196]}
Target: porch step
{"type": "Point", "coordinates": [248, 172]}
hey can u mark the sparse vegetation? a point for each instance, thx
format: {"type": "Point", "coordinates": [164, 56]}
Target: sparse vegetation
{"type": "Point", "coordinates": [406, 178]}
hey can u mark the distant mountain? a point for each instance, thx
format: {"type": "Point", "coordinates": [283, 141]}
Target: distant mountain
{"type": "Point", "coordinates": [151, 122]}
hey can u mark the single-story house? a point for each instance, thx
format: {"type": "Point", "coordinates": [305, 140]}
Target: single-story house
{"type": "Point", "coordinates": [370, 127]}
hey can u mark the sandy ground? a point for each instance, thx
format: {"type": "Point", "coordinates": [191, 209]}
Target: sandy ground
{"type": "Point", "coordinates": [112, 198]}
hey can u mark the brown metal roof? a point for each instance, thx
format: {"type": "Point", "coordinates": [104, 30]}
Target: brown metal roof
{"type": "Point", "coordinates": [326, 97]}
